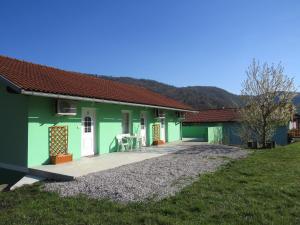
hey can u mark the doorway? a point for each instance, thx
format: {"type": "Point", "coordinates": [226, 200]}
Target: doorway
{"type": "Point", "coordinates": [143, 132]}
{"type": "Point", "coordinates": [88, 131]}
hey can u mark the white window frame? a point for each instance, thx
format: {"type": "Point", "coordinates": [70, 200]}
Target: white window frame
{"type": "Point", "coordinates": [129, 121]}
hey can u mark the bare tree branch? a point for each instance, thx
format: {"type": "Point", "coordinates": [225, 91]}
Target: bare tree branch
{"type": "Point", "coordinates": [268, 95]}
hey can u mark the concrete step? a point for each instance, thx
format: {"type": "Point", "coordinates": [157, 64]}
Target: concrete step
{"type": "Point", "coordinates": [26, 180]}
{"type": "Point", "coordinates": [50, 175]}
{"type": "Point", "coordinates": [3, 187]}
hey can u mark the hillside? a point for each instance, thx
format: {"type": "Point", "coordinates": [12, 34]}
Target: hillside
{"type": "Point", "coordinates": [297, 99]}
{"type": "Point", "coordinates": [199, 97]}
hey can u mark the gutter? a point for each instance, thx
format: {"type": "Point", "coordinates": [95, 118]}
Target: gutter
{"type": "Point", "coordinates": [70, 97]}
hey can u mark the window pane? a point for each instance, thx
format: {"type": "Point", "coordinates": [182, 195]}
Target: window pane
{"type": "Point", "coordinates": [125, 123]}
{"type": "Point", "coordinates": [142, 121]}
{"type": "Point", "coordinates": [87, 124]}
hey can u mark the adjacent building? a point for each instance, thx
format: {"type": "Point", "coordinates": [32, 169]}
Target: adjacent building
{"type": "Point", "coordinates": [221, 126]}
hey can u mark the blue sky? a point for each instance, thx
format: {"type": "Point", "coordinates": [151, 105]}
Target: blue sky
{"type": "Point", "coordinates": [181, 43]}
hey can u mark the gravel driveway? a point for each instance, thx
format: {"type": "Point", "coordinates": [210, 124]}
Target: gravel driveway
{"type": "Point", "coordinates": [152, 178]}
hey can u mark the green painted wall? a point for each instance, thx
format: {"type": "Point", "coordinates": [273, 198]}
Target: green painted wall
{"type": "Point", "coordinates": [231, 133]}
{"type": "Point", "coordinates": [215, 134]}
{"type": "Point", "coordinates": [41, 115]}
{"type": "Point", "coordinates": [109, 123]}
{"type": "Point", "coordinates": [281, 135]}
{"type": "Point", "coordinates": [13, 132]}
{"type": "Point", "coordinates": [149, 123]}
{"type": "Point", "coordinates": [10, 177]}
{"type": "Point", "coordinates": [226, 133]}
{"type": "Point", "coordinates": [173, 127]}
{"type": "Point", "coordinates": [208, 132]}
{"type": "Point", "coordinates": [195, 131]}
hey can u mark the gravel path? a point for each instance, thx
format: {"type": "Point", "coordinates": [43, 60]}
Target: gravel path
{"type": "Point", "coordinates": [153, 178]}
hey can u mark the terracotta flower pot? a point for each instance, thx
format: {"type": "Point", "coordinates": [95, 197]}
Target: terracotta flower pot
{"type": "Point", "coordinates": [57, 159]}
{"type": "Point", "coordinates": [158, 142]}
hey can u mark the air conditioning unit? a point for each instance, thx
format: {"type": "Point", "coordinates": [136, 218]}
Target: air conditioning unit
{"type": "Point", "coordinates": [66, 108]}
{"type": "Point", "coordinates": [180, 115]}
{"type": "Point", "coordinates": [159, 113]}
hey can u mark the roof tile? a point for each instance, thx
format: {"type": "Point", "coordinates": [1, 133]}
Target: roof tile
{"type": "Point", "coordinates": [213, 115]}
{"type": "Point", "coordinates": [39, 78]}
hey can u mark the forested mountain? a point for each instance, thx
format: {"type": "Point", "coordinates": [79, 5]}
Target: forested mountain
{"type": "Point", "coordinates": [199, 97]}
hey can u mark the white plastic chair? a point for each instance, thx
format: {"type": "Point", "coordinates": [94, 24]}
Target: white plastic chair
{"type": "Point", "coordinates": [122, 142]}
{"type": "Point", "coordinates": [138, 141]}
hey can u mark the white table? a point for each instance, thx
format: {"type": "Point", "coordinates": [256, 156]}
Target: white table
{"type": "Point", "coordinates": [131, 139]}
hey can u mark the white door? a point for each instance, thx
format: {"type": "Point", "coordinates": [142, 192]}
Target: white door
{"type": "Point", "coordinates": [88, 132]}
{"type": "Point", "coordinates": [143, 132]}
{"type": "Point", "coordinates": [162, 129]}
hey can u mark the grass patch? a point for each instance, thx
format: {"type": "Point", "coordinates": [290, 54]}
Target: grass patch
{"type": "Point", "coordinates": [261, 189]}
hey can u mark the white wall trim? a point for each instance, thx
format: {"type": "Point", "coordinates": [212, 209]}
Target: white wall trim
{"type": "Point", "coordinates": [58, 96]}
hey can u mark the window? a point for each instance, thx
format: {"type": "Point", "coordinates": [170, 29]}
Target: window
{"type": "Point", "coordinates": [87, 124]}
{"type": "Point", "coordinates": [126, 123]}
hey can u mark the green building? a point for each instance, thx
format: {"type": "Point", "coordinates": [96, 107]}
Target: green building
{"type": "Point", "coordinates": [221, 126]}
{"type": "Point", "coordinates": [94, 111]}
{"type": "Point", "coordinates": [215, 126]}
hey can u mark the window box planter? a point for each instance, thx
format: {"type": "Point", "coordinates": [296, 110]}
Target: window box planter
{"type": "Point", "coordinates": [61, 158]}
{"type": "Point", "coordinates": [158, 142]}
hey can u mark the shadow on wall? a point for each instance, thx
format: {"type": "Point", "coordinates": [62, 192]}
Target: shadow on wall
{"type": "Point", "coordinates": [113, 145]}
{"type": "Point", "coordinates": [10, 177]}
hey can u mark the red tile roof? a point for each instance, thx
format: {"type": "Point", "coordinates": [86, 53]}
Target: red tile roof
{"type": "Point", "coordinates": [212, 115]}
{"type": "Point", "coordinates": [39, 78]}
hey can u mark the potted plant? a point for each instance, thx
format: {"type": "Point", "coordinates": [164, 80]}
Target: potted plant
{"type": "Point", "coordinates": [158, 142]}
{"type": "Point", "coordinates": [61, 158]}
{"type": "Point", "coordinates": [59, 145]}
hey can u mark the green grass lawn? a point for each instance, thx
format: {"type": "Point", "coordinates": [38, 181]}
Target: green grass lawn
{"type": "Point", "coordinates": [261, 189]}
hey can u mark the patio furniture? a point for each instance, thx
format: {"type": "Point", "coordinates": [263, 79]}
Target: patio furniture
{"type": "Point", "coordinates": [123, 142]}
{"type": "Point", "coordinates": [127, 141]}
{"type": "Point", "coordinates": [130, 140]}
{"type": "Point", "coordinates": [136, 138]}
{"type": "Point", "coordinates": [139, 141]}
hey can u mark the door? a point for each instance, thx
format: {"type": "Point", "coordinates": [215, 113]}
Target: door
{"type": "Point", "coordinates": [163, 129]}
{"type": "Point", "coordinates": [88, 132]}
{"type": "Point", "coordinates": [143, 132]}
